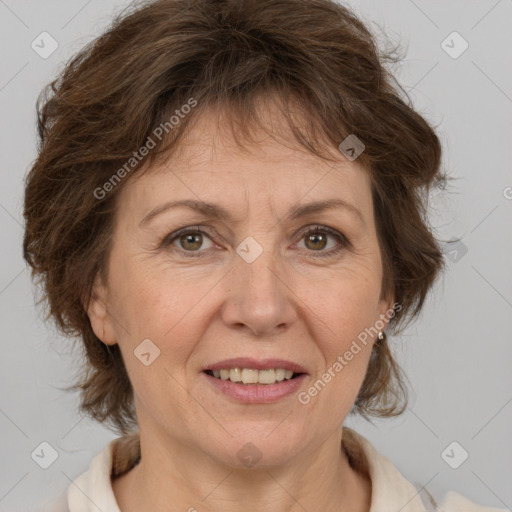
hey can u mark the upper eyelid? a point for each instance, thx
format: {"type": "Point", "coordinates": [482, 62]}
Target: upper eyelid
{"type": "Point", "coordinates": [170, 238]}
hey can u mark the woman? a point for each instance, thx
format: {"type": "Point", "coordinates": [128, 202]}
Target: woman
{"type": "Point", "coordinates": [228, 210]}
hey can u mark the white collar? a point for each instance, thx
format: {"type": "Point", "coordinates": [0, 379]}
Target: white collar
{"type": "Point", "coordinates": [391, 492]}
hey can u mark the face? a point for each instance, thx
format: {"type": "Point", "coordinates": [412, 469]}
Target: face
{"type": "Point", "coordinates": [242, 284]}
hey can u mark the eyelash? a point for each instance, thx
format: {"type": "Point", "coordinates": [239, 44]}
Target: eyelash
{"type": "Point", "coordinates": [312, 230]}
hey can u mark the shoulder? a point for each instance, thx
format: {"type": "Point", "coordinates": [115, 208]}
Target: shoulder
{"type": "Point", "coordinates": [455, 502]}
{"type": "Point", "coordinates": [95, 484]}
{"type": "Point", "coordinates": [391, 490]}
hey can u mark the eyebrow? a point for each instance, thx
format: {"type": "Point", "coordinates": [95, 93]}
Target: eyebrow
{"type": "Point", "coordinates": [218, 212]}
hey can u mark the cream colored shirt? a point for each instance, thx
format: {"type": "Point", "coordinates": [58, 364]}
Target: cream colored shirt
{"type": "Point", "coordinates": [391, 492]}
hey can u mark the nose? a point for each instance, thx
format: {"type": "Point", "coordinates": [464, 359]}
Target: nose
{"type": "Point", "coordinates": [259, 300]}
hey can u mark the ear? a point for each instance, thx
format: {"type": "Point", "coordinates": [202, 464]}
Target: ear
{"type": "Point", "coordinates": [97, 311]}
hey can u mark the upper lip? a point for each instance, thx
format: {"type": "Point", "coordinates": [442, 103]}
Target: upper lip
{"type": "Point", "coordinates": [256, 364]}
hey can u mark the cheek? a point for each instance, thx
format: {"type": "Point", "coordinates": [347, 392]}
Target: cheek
{"type": "Point", "coordinates": [158, 306]}
{"type": "Point", "coordinates": [344, 305]}
{"type": "Point", "coordinates": [345, 343]}
{"type": "Point", "coordinates": [342, 318]}
{"type": "Point", "coordinates": [142, 297]}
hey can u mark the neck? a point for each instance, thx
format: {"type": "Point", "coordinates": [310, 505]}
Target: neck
{"type": "Point", "coordinates": [180, 478]}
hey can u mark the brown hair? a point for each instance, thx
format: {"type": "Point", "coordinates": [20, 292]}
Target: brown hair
{"type": "Point", "coordinates": [157, 56]}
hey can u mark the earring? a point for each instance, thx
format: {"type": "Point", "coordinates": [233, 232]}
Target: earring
{"type": "Point", "coordinates": [381, 335]}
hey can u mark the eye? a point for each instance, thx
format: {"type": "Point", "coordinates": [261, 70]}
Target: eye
{"type": "Point", "coordinates": [316, 240]}
{"type": "Point", "coordinates": [188, 240]}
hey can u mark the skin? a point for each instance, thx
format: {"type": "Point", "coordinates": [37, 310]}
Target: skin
{"type": "Point", "coordinates": [286, 304]}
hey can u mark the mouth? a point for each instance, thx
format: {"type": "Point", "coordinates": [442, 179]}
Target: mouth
{"type": "Point", "coordinates": [255, 381]}
{"type": "Point", "coordinates": [252, 376]}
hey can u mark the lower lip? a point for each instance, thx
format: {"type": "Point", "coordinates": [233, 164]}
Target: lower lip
{"type": "Point", "coordinates": [257, 393]}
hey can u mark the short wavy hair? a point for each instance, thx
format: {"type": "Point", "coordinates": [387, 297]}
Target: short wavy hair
{"type": "Point", "coordinates": [156, 56]}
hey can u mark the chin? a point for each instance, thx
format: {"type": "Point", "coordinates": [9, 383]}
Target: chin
{"type": "Point", "coordinates": [261, 446]}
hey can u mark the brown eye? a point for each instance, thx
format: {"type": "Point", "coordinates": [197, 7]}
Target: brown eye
{"type": "Point", "coordinates": [317, 239]}
{"type": "Point", "coordinates": [191, 241]}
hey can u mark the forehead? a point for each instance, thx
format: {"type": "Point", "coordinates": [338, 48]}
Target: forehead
{"type": "Point", "coordinates": [214, 136]}
{"type": "Point", "coordinates": [272, 169]}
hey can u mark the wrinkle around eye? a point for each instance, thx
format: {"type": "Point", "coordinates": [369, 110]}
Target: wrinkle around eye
{"type": "Point", "coordinates": [172, 242]}
{"type": "Point", "coordinates": [161, 237]}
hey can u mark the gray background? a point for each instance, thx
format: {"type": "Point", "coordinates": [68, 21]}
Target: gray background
{"type": "Point", "coordinates": [457, 356]}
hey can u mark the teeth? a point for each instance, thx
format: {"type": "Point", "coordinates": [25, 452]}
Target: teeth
{"type": "Point", "coordinates": [267, 376]}
{"type": "Point", "coordinates": [250, 376]}
{"type": "Point", "coordinates": [280, 374]}
{"type": "Point", "coordinates": [235, 375]}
